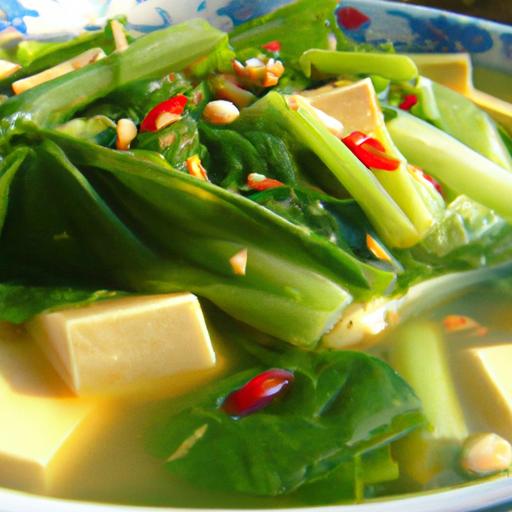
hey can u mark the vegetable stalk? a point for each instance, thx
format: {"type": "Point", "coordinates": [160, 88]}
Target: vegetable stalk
{"type": "Point", "coordinates": [455, 164]}
{"type": "Point", "coordinates": [301, 127]}
{"type": "Point", "coordinates": [327, 62]}
{"type": "Point", "coordinates": [159, 230]}
{"type": "Point", "coordinates": [153, 56]}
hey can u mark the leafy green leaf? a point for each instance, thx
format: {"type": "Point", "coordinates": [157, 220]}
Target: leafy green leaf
{"type": "Point", "coordinates": [18, 302]}
{"type": "Point", "coordinates": [134, 225]}
{"type": "Point", "coordinates": [341, 405]}
{"type": "Point", "coordinates": [137, 99]}
{"type": "Point", "coordinates": [325, 155]}
{"type": "Point", "coordinates": [342, 222]}
{"type": "Point", "coordinates": [311, 29]}
{"type": "Point", "coordinates": [176, 142]}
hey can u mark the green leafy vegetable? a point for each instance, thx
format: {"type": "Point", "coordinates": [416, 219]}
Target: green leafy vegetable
{"type": "Point", "coordinates": [464, 223]}
{"type": "Point", "coordinates": [176, 142]}
{"type": "Point", "coordinates": [134, 225]}
{"type": "Point", "coordinates": [150, 57]}
{"type": "Point", "coordinates": [304, 133]}
{"type": "Point", "coordinates": [234, 155]}
{"type": "Point", "coordinates": [98, 129]}
{"type": "Point", "coordinates": [342, 222]}
{"type": "Point", "coordinates": [312, 29]}
{"type": "Point", "coordinates": [342, 405]}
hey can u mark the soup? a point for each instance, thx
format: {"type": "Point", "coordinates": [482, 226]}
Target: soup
{"type": "Point", "coordinates": [116, 467]}
{"type": "Point", "coordinates": [263, 270]}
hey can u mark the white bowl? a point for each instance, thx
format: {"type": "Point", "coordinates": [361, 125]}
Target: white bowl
{"type": "Point", "coordinates": [409, 27]}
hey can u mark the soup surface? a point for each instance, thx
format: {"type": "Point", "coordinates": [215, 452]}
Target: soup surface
{"type": "Point", "coordinates": [116, 466]}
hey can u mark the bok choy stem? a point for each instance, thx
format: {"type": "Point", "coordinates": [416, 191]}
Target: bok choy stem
{"type": "Point", "coordinates": [455, 164]}
{"type": "Point", "coordinates": [273, 115]}
{"type": "Point", "coordinates": [151, 56]}
{"type": "Point", "coordinates": [391, 66]}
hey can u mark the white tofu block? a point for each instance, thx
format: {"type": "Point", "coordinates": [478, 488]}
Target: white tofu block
{"type": "Point", "coordinates": [39, 419]}
{"type": "Point", "coordinates": [488, 378]}
{"type": "Point", "coordinates": [355, 106]}
{"type": "Point", "coordinates": [117, 344]}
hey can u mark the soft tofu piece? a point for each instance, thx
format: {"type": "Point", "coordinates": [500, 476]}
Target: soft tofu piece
{"type": "Point", "coordinates": [122, 343]}
{"type": "Point", "coordinates": [451, 69]}
{"type": "Point", "coordinates": [488, 381]}
{"type": "Point", "coordinates": [355, 105]}
{"type": "Point", "coordinates": [40, 421]}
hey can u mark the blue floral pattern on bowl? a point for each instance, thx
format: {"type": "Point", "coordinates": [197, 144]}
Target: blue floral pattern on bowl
{"type": "Point", "coordinates": [426, 30]}
{"type": "Point", "coordinates": [410, 28]}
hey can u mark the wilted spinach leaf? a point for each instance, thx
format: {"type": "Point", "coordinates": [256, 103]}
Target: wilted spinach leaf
{"type": "Point", "coordinates": [341, 406]}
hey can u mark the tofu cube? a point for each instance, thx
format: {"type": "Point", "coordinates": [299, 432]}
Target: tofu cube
{"type": "Point", "coordinates": [39, 418]}
{"type": "Point", "coordinates": [356, 106]}
{"type": "Point", "coordinates": [488, 383]}
{"type": "Point", "coordinates": [117, 344]}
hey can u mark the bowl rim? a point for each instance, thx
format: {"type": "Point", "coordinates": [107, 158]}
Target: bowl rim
{"type": "Point", "coordinates": [470, 496]}
{"type": "Point", "coordinates": [428, 10]}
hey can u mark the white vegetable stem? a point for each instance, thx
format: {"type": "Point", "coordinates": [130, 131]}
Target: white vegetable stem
{"type": "Point", "coordinates": [362, 320]}
{"type": "Point", "coordinates": [88, 57]}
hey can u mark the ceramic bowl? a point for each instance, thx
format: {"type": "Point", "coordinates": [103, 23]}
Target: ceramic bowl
{"type": "Point", "coordinates": [410, 28]}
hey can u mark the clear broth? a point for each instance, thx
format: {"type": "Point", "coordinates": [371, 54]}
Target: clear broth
{"type": "Point", "coordinates": [117, 468]}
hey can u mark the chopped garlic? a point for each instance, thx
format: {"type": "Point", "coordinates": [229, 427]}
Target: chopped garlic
{"type": "Point", "coordinates": [221, 112]}
{"type": "Point", "coordinates": [196, 169]}
{"type": "Point", "coordinates": [88, 57]}
{"type": "Point", "coordinates": [8, 68]}
{"type": "Point", "coordinates": [238, 262]}
{"type": "Point", "coordinates": [262, 72]}
{"type": "Point", "coordinates": [486, 454]}
{"type": "Point", "coordinates": [166, 119]}
{"type": "Point", "coordinates": [119, 36]}
{"type": "Point", "coordinates": [126, 133]}
{"type": "Point", "coordinates": [189, 443]}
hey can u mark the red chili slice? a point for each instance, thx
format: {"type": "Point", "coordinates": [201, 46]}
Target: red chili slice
{"type": "Point", "coordinates": [259, 182]}
{"type": "Point", "coordinates": [258, 393]}
{"type": "Point", "coordinates": [370, 152]}
{"type": "Point", "coordinates": [434, 182]}
{"type": "Point", "coordinates": [272, 46]}
{"type": "Point", "coordinates": [175, 105]}
{"type": "Point", "coordinates": [409, 101]}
